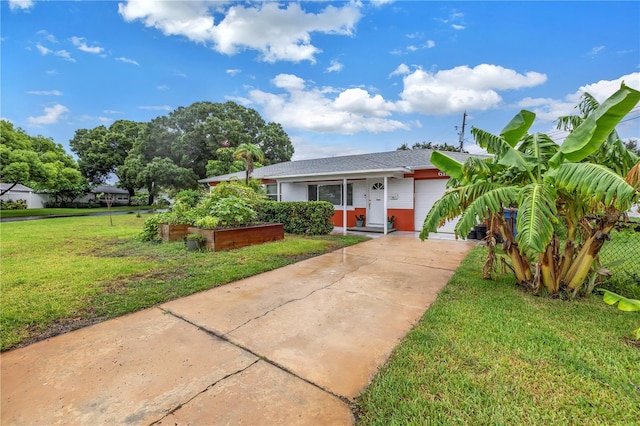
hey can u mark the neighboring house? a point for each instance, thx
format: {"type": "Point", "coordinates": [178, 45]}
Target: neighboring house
{"type": "Point", "coordinates": [99, 193]}
{"type": "Point", "coordinates": [403, 184]}
{"type": "Point", "coordinates": [21, 192]}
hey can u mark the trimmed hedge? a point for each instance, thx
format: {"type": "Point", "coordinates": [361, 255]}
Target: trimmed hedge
{"type": "Point", "coordinates": [298, 217]}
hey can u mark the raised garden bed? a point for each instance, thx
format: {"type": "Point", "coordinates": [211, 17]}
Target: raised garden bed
{"type": "Point", "coordinates": [230, 238]}
{"type": "Point", "coordinates": [173, 232]}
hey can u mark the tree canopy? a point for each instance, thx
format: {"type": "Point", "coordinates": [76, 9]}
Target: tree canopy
{"type": "Point", "coordinates": [431, 145]}
{"type": "Point", "coordinates": [176, 150]}
{"type": "Point", "coordinates": [39, 163]}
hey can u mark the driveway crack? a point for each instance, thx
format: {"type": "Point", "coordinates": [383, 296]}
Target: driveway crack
{"type": "Point", "coordinates": [264, 314]}
{"type": "Point", "coordinates": [179, 406]}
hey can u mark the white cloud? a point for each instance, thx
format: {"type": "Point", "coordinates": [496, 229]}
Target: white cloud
{"type": "Point", "coordinates": [162, 87]}
{"type": "Point", "coordinates": [156, 107]}
{"type": "Point", "coordinates": [51, 115]}
{"type": "Point", "coordinates": [278, 32]}
{"type": "Point", "coordinates": [461, 88]}
{"type": "Point", "coordinates": [548, 109]}
{"type": "Point", "coordinates": [51, 72]}
{"type": "Point", "coordinates": [318, 109]}
{"type": "Point", "coordinates": [233, 72]}
{"type": "Point", "coordinates": [45, 92]}
{"type": "Point", "coordinates": [83, 46]}
{"type": "Point", "coordinates": [379, 3]}
{"type": "Point", "coordinates": [47, 36]}
{"type": "Point", "coordinates": [335, 66]}
{"type": "Point", "coordinates": [430, 44]}
{"type": "Point", "coordinates": [61, 53]}
{"type": "Point", "coordinates": [43, 50]}
{"type": "Point", "coordinates": [596, 50]}
{"type": "Point", "coordinates": [20, 4]}
{"type": "Point", "coordinates": [87, 117]}
{"type": "Point", "coordinates": [112, 111]}
{"type": "Point", "coordinates": [127, 60]}
{"type": "Point", "coordinates": [458, 27]}
{"type": "Point", "coordinates": [64, 54]}
{"type": "Point", "coordinates": [402, 69]}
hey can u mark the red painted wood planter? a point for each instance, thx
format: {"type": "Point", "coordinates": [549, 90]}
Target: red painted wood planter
{"type": "Point", "coordinates": [173, 232]}
{"type": "Point", "coordinates": [226, 239]}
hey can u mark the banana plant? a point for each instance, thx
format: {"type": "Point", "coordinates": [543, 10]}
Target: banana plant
{"type": "Point", "coordinates": [546, 181]}
{"type": "Point", "coordinates": [624, 304]}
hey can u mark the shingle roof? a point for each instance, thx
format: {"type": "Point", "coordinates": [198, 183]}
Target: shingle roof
{"type": "Point", "coordinates": [18, 188]}
{"type": "Point", "coordinates": [109, 190]}
{"type": "Point", "coordinates": [409, 160]}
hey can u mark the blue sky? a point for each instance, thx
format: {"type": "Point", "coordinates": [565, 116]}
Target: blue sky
{"type": "Point", "coordinates": [341, 77]}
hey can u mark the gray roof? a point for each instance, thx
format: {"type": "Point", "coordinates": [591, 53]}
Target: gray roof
{"type": "Point", "coordinates": [405, 161]}
{"type": "Point", "coordinates": [107, 189]}
{"type": "Point", "coordinates": [18, 188]}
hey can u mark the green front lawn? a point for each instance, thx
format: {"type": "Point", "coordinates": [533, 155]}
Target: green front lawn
{"type": "Point", "coordinates": [487, 353]}
{"type": "Point", "coordinates": [62, 274]}
{"type": "Point", "coordinates": [61, 211]}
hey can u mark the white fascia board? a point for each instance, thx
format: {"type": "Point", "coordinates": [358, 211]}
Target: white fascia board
{"type": "Point", "coordinates": [397, 173]}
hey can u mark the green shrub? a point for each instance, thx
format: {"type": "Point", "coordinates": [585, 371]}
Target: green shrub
{"type": "Point", "coordinates": [13, 205]}
{"type": "Point", "coordinates": [233, 211]}
{"type": "Point", "coordinates": [190, 197]}
{"type": "Point", "coordinates": [151, 227]}
{"type": "Point", "coordinates": [298, 217]}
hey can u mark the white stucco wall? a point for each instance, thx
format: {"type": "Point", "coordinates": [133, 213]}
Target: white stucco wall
{"type": "Point", "coordinates": [293, 192]}
{"type": "Point", "coordinates": [400, 193]}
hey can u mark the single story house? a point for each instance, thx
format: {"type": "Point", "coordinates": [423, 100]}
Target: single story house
{"type": "Point", "coordinates": [403, 184]}
{"type": "Point", "coordinates": [21, 192]}
{"type": "Point", "coordinates": [119, 196]}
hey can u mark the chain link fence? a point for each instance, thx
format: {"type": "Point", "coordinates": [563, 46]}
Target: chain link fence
{"type": "Point", "coordinates": [621, 256]}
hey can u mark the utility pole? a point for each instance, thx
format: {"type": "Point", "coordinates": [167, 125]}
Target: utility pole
{"type": "Point", "coordinates": [461, 134]}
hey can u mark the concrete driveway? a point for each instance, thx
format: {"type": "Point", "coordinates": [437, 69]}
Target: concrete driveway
{"type": "Point", "coordinates": [291, 346]}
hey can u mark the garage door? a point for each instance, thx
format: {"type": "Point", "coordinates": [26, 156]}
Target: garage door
{"type": "Point", "coordinates": [427, 193]}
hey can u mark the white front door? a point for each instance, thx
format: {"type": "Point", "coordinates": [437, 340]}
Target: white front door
{"type": "Point", "coordinates": [375, 215]}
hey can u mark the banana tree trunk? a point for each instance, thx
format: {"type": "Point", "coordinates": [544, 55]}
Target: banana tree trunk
{"type": "Point", "coordinates": [521, 265]}
{"type": "Point", "coordinates": [577, 273]}
{"type": "Point", "coordinates": [549, 266]}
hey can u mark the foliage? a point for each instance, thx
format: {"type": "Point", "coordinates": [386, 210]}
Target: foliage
{"type": "Point", "coordinates": [189, 197]}
{"type": "Point", "coordinates": [102, 151]}
{"type": "Point", "coordinates": [233, 211]}
{"type": "Point", "coordinates": [361, 217]}
{"type": "Point", "coordinates": [391, 219]}
{"type": "Point", "coordinates": [151, 227]}
{"type": "Point", "coordinates": [194, 236]}
{"type": "Point", "coordinates": [251, 155]}
{"type": "Point", "coordinates": [207, 222]}
{"type": "Point", "coordinates": [13, 205]}
{"type": "Point", "coordinates": [545, 180]}
{"type": "Point", "coordinates": [39, 163]}
{"type": "Point", "coordinates": [431, 145]}
{"type": "Point", "coordinates": [624, 304]}
{"type": "Point", "coordinates": [312, 217]}
{"type": "Point", "coordinates": [191, 136]}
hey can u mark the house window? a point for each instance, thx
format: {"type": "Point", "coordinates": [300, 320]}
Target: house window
{"type": "Point", "coordinates": [272, 191]}
{"type": "Point", "coordinates": [331, 193]}
{"type": "Point", "coordinates": [122, 197]}
{"type": "Point", "coordinates": [377, 186]}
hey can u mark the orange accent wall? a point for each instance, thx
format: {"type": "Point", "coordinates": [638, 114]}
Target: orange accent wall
{"type": "Point", "coordinates": [429, 174]}
{"type": "Point", "coordinates": [404, 219]}
{"type": "Point", "coordinates": [351, 217]}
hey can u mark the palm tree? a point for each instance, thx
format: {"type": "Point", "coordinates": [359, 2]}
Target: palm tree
{"type": "Point", "coordinates": [546, 181]}
{"type": "Point", "coordinates": [249, 153]}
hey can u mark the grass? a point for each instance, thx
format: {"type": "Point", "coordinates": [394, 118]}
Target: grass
{"type": "Point", "coordinates": [487, 353]}
{"type": "Point", "coordinates": [67, 212]}
{"type": "Point", "coordinates": [62, 274]}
